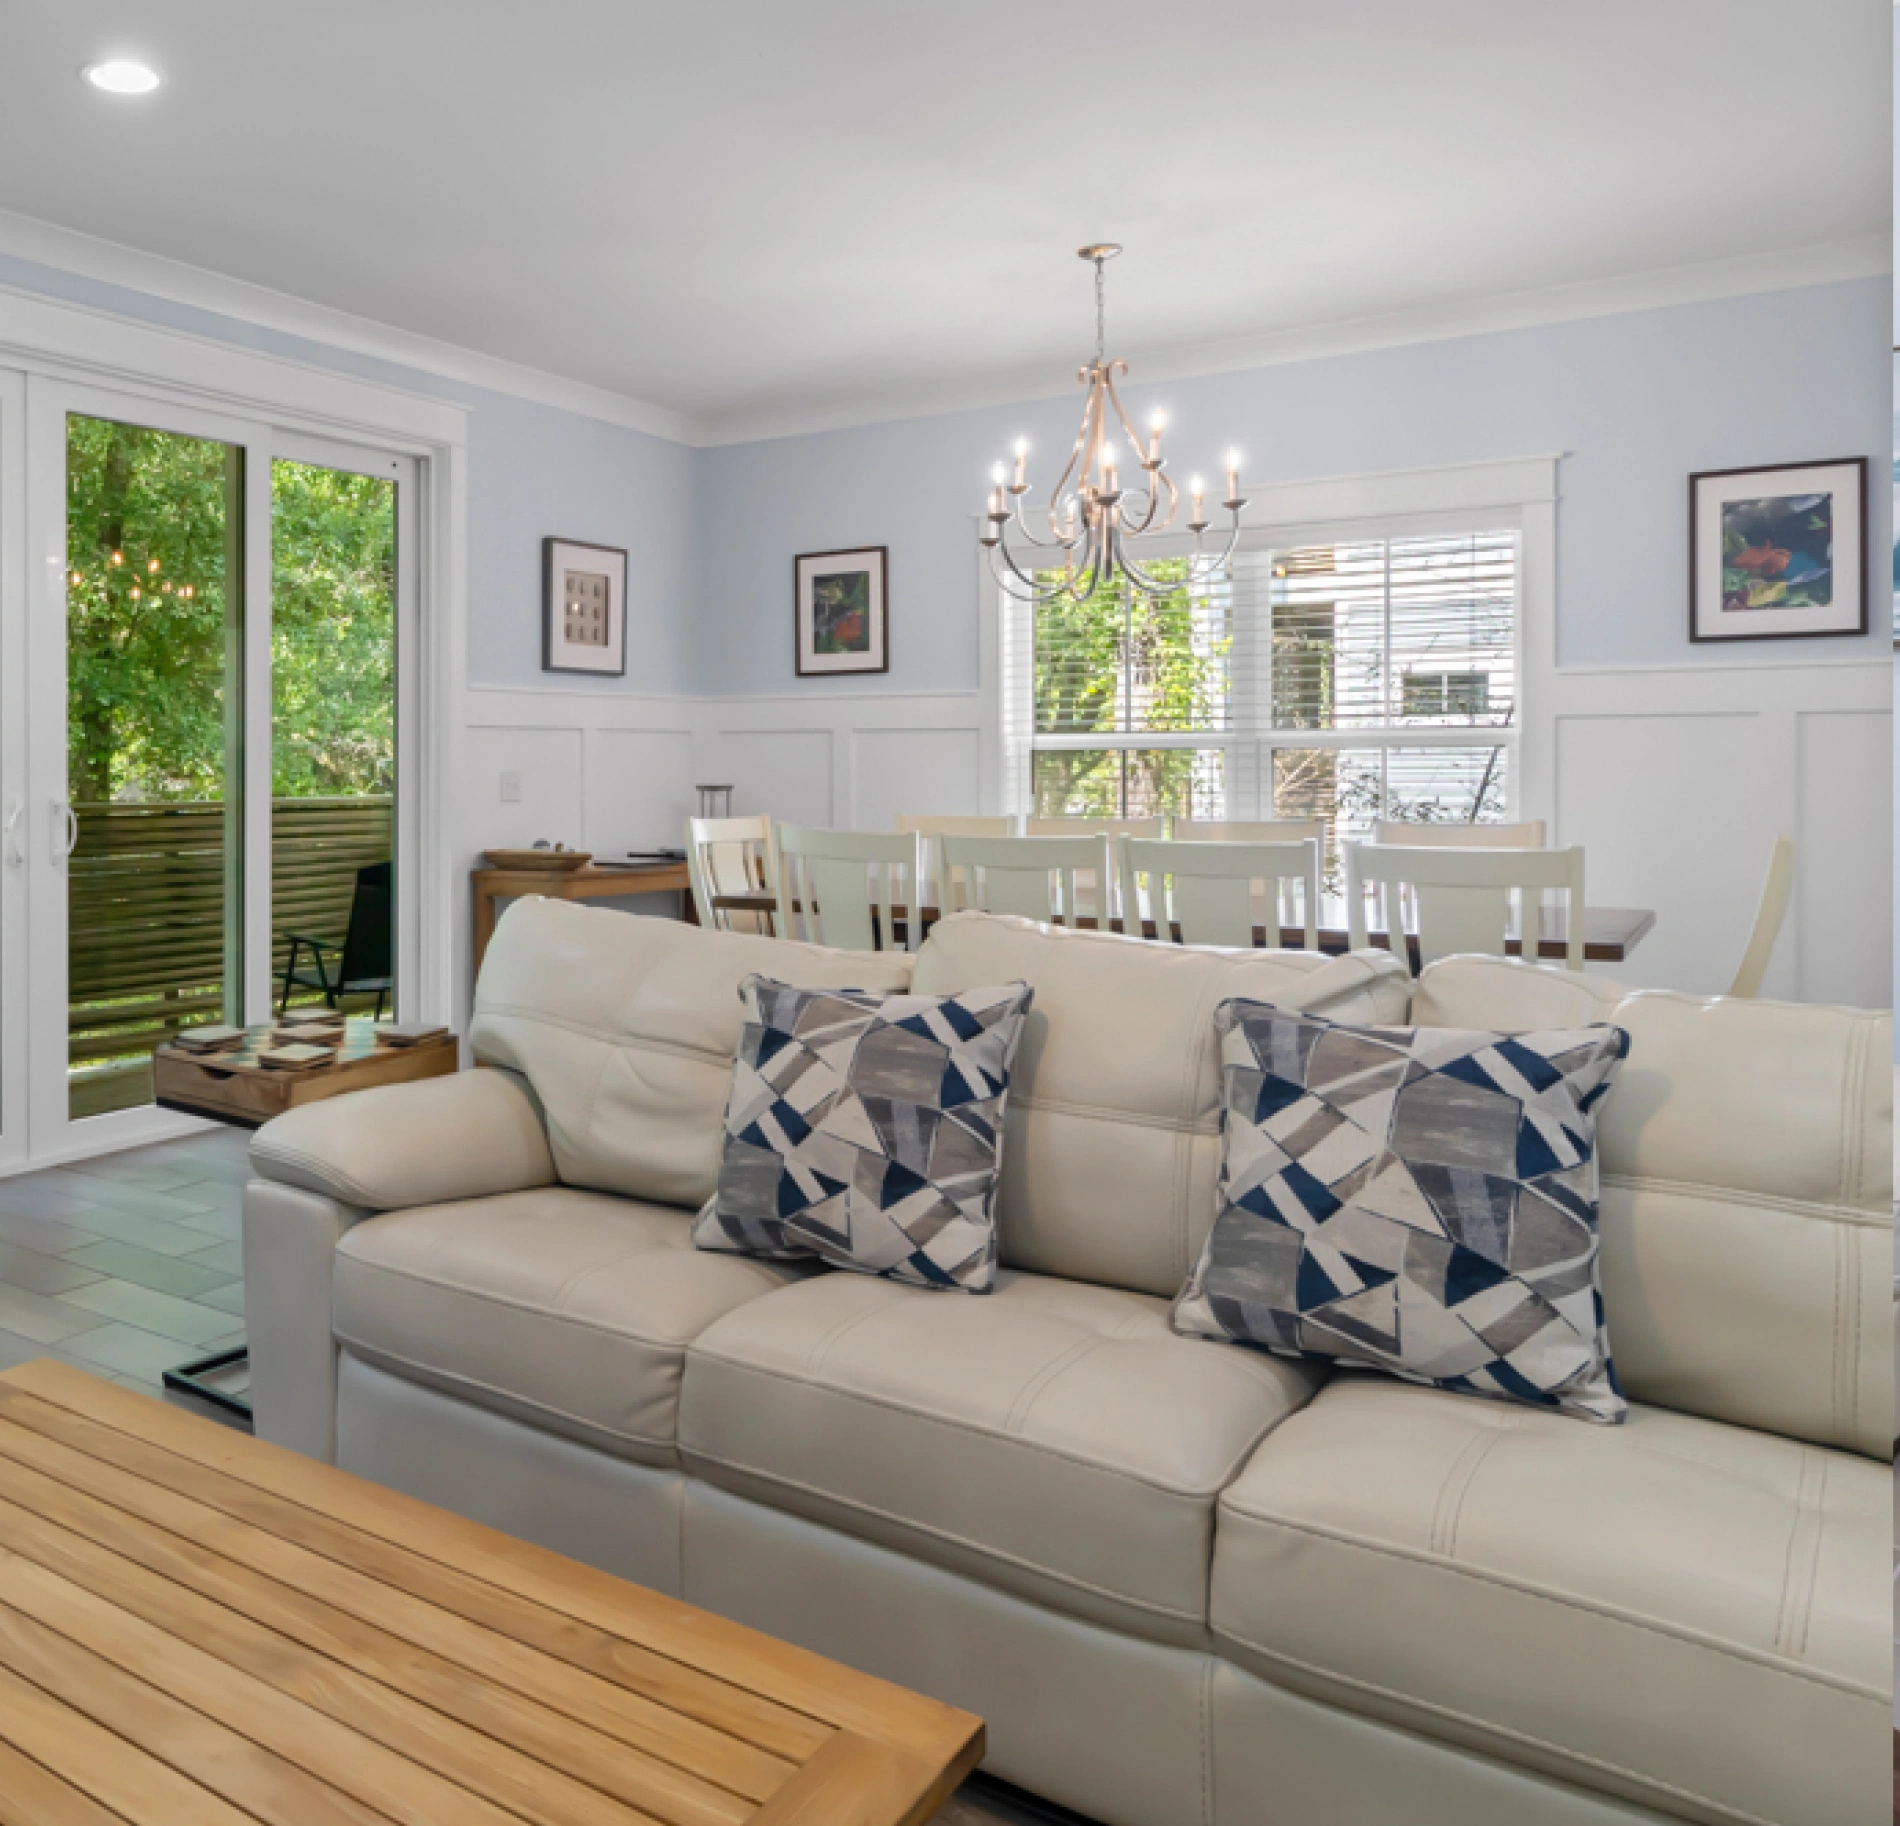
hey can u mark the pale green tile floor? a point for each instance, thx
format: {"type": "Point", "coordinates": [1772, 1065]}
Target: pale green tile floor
{"type": "Point", "coordinates": [129, 1264]}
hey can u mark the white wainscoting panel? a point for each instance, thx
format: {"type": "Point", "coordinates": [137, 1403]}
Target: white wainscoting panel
{"type": "Point", "coordinates": [786, 772]}
{"type": "Point", "coordinates": [1676, 780]}
{"type": "Point", "coordinates": [639, 787]}
{"type": "Point", "coordinates": [550, 764]}
{"type": "Point", "coordinates": [1842, 916]}
{"type": "Point", "coordinates": [896, 771]}
{"type": "Point", "coordinates": [1658, 802]}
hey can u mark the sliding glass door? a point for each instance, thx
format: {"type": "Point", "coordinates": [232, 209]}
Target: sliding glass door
{"type": "Point", "coordinates": [214, 741]}
{"type": "Point", "coordinates": [149, 826]}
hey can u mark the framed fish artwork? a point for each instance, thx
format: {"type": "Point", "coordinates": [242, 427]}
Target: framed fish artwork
{"type": "Point", "coordinates": [840, 618]}
{"type": "Point", "coordinates": [1778, 553]}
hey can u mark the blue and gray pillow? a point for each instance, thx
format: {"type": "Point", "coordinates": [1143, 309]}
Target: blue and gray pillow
{"type": "Point", "coordinates": [866, 1130]}
{"type": "Point", "coordinates": [1416, 1200]}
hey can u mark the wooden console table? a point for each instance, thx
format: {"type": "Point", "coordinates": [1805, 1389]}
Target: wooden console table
{"type": "Point", "coordinates": [590, 882]}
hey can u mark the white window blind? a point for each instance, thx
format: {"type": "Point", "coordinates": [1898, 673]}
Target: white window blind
{"type": "Point", "coordinates": [1350, 678]}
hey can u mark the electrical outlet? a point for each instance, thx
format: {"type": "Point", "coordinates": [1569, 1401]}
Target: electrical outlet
{"type": "Point", "coordinates": [511, 789]}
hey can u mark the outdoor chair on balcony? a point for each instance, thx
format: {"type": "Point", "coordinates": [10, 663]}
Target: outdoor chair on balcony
{"type": "Point", "coordinates": [365, 963]}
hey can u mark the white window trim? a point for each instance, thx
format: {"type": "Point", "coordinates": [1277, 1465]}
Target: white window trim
{"type": "Point", "coordinates": [76, 343]}
{"type": "Point", "coordinates": [1518, 493]}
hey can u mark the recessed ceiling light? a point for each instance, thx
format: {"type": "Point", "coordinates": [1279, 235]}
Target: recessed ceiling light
{"type": "Point", "coordinates": [120, 76]}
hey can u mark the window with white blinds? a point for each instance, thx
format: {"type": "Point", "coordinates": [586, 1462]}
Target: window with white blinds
{"type": "Point", "coordinates": [1349, 679]}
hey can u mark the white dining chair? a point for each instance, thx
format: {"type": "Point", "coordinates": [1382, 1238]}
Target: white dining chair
{"type": "Point", "coordinates": [1526, 836]}
{"type": "Point", "coordinates": [1257, 830]}
{"type": "Point", "coordinates": [1463, 897]}
{"type": "Point", "coordinates": [845, 888]}
{"type": "Point", "coordinates": [1036, 877]}
{"type": "Point", "coordinates": [1775, 894]}
{"type": "Point", "coordinates": [1097, 902]}
{"type": "Point", "coordinates": [731, 856]}
{"type": "Point", "coordinates": [1249, 830]}
{"type": "Point", "coordinates": [1210, 892]}
{"type": "Point", "coordinates": [932, 825]}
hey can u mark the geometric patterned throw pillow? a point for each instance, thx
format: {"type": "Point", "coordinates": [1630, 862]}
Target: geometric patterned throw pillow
{"type": "Point", "coordinates": [866, 1130]}
{"type": "Point", "coordinates": [1418, 1200]}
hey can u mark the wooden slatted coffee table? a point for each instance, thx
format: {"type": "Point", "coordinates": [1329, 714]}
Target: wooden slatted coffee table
{"type": "Point", "coordinates": [197, 1629]}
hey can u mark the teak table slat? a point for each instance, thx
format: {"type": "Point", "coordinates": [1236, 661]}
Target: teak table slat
{"type": "Point", "coordinates": [197, 1629]}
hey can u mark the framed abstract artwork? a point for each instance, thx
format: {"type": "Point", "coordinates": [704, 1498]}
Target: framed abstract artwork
{"type": "Point", "coordinates": [583, 607]}
{"type": "Point", "coordinates": [1778, 553]}
{"type": "Point", "coordinates": [840, 621]}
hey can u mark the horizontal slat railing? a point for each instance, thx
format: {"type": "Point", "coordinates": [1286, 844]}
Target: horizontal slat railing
{"type": "Point", "coordinates": [146, 909]}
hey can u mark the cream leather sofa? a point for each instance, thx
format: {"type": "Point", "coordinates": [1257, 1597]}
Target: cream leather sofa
{"type": "Point", "coordinates": [1186, 1584]}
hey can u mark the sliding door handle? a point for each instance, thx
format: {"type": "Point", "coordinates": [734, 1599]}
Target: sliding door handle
{"type": "Point", "coordinates": [65, 830]}
{"type": "Point", "coordinates": [10, 834]}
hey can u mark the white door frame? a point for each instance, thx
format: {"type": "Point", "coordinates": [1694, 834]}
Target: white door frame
{"type": "Point", "coordinates": [405, 472]}
{"type": "Point", "coordinates": [48, 340]}
{"type": "Point", "coordinates": [53, 1134]}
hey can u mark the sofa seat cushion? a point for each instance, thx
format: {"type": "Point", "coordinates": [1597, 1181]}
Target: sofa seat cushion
{"type": "Point", "coordinates": [569, 1309]}
{"type": "Point", "coordinates": [1051, 1438]}
{"type": "Point", "coordinates": [1682, 1612]}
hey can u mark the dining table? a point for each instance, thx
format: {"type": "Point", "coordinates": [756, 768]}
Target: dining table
{"type": "Point", "coordinates": [1610, 934]}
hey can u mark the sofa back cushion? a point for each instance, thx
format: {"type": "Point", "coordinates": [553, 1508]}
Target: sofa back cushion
{"type": "Point", "coordinates": [1112, 1144]}
{"type": "Point", "coordinates": [1747, 1194]}
{"type": "Point", "coordinates": [626, 1027]}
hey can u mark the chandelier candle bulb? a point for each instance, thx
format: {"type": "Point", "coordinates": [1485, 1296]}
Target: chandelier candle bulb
{"type": "Point", "coordinates": [1090, 529]}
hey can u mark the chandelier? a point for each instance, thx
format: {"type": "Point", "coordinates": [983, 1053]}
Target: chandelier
{"type": "Point", "coordinates": [1092, 522]}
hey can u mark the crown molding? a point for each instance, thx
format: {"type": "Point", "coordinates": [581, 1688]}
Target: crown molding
{"type": "Point", "coordinates": [1785, 269]}
{"type": "Point", "coordinates": [112, 263]}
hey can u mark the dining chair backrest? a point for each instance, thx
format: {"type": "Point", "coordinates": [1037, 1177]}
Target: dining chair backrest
{"type": "Point", "coordinates": [1775, 894]}
{"type": "Point", "coordinates": [930, 826]}
{"type": "Point", "coordinates": [1462, 897]}
{"type": "Point", "coordinates": [845, 888]}
{"type": "Point", "coordinates": [1526, 836]}
{"type": "Point", "coordinates": [730, 856]}
{"type": "Point", "coordinates": [1249, 830]}
{"type": "Point", "coordinates": [1036, 877]}
{"type": "Point", "coordinates": [1209, 892]}
{"type": "Point", "coordinates": [1257, 830]}
{"type": "Point", "coordinates": [1098, 902]}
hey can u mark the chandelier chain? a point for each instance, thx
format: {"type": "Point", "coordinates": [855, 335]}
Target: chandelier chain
{"type": "Point", "coordinates": [1092, 523]}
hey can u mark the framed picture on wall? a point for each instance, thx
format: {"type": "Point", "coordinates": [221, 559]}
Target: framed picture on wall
{"type": "Point", "coordinates": [839, 608]}
{"type": "Point", "coordinates": [583, 607]}
{"type": "Point", "coordinates": [1778, 553]}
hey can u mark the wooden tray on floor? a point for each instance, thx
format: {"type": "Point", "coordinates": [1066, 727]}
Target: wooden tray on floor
{"type": "Point", "coordinates": [234, 1087]}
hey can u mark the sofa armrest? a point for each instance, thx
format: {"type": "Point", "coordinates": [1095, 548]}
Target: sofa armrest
{"type": "Point", "coordinates": [328, 1165]}
{"type": "Point", "coordinates": [472, 1135]}
{"type": "Point", "coordinates": [290, 1239]}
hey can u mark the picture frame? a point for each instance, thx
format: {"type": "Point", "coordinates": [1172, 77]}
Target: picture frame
{"type": "Point", "coordinates": [1778, 551]}
{"type": "Point", "coordinates": [583, 607]}
{"type": "Point", "coordinates": [841, 612]}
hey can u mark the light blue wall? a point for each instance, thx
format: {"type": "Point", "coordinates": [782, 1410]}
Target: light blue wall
{"type": "Point", "coordinates": [1634, 403]}
{"type": "Point", "coordinates": [532, 471]}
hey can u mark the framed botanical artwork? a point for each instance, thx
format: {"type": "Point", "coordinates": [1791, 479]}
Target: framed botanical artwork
{"type": "Point", "coordinates": [840, 612]}
{"type": "Point", "coordinates": [1778, 553]}
{"type": "Point", "coordinates": [583, 607]}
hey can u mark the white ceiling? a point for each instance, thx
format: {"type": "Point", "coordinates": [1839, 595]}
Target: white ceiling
{"type": "Point", "coordinates": [759, 214]}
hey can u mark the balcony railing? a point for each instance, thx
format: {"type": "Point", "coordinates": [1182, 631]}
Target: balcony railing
{"type": "Point", "coordinates": [147, 909]}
